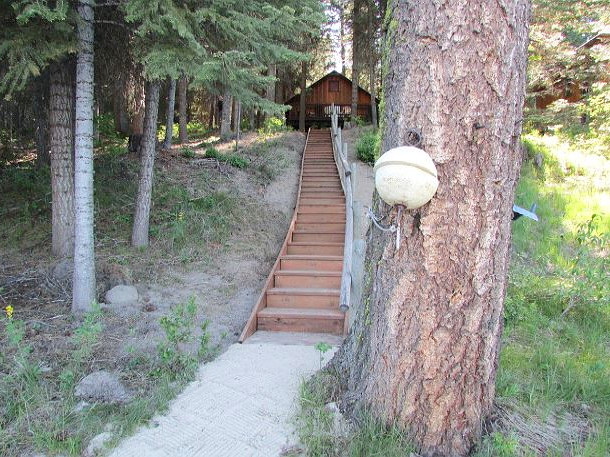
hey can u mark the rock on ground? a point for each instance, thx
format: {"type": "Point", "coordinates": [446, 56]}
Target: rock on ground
{"type": "Point", "coordinates": [97, 444]}
{"type": "Point", "coordinates": [341, 427]}
{"type": "Point", "coordinates": [122, 295]}
{"type": "Point", "coordinates": [102, 387]}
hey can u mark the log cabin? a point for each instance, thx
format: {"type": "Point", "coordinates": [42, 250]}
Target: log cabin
{"type": "Point", "coordinates": [334, 88]}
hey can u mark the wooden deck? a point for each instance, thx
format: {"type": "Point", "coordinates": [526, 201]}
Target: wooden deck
{"type": "Point", "coordinates": [302, 291]}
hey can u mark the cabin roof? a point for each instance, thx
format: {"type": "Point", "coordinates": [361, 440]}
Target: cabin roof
{"type": "Point", "coordinates": [319, 81]}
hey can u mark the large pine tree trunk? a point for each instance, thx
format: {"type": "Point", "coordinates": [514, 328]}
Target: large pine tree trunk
{"type": "Point", "coordinates": [169, 116]}
{"type": "Point", "coordinates": [61, 129]}
{"type": "Point", "coordinates": [225, 121]}
{"type": "Point", "coordinates": [303, 96]}
{"type": "Point", "coordinates": [83, 293]}
{"type": "Point", "coordinates": [182, 110]}
{"type": "Point", "coordinates": [139, 236]}
{"type": "Point", "coordinates": [423, 348]}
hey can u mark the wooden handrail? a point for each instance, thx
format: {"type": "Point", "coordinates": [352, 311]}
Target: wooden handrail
{"type": "Point", "coordinates": [340, 155]}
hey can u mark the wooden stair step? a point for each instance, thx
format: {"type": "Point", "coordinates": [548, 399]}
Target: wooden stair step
{"type": "Point", "coordinates": [301, 320]}
{"type": "Point", "coordinates": [308, 278]}
{"type": "Point", "coordinates": [303, 297]}
{"type": "Point", "coordinates": [321, 217]}
{"type": "Point", "coordinates": [326, 227]}
{"type": "Point", "coordinates": [329, 208]}
{"type": "Point", "coordinates": [312, 262]}
{"type": "Point", "coordinates": [315, 248]}
{"type": "Point", "coordinates": [317, 236]}
{"type": "Point", "coordinates": [320, 201]}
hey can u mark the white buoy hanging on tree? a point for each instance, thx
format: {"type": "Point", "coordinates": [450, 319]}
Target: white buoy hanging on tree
{"type": "Point", "coordinates": [405, 177]}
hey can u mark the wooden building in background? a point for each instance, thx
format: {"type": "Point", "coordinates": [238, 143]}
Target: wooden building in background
{"type": "Point", "coordinates": [334, 88]}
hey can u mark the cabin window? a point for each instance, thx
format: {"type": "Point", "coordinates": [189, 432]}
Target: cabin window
{"type": "Point", "coordinates": [333, 86]}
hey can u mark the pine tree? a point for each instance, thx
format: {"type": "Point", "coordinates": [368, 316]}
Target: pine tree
{"type": "Point", "coordinates": [83, 284]}
{"type": "Point", "coordinates": [169, 117]}
{"type": "Point", "coordinates": [36, 38]}
{"type": "Point", "coordinates": [422, 351]}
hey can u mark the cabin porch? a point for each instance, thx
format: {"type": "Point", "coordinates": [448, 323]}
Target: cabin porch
{"type": "Point", "coordinates": [319, 114]}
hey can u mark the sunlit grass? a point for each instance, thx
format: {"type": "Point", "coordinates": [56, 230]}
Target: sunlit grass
{"type": "Point", "coordinates": [556, 355]}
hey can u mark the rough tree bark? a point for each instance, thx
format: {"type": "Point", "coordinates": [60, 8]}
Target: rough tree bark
{"type": "Point", "coordinates": [423, 348]}
{"type": "Point", "coordinates": [83, 291]}
{"type": "Point", "coordinates": [225, 121]}
{"type": "Point", "coordinates": [169, 116]}
{"type": "Point", "coordinates": [61, 128]}
{"type": "Point", "coordinates": [141, 219]}
{"type": "Point", "coordinates": [182, 110]}
{"type": "Point", "coordinates": [303, 97]}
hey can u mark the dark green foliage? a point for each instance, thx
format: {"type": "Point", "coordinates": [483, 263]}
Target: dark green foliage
{"type": "Point", "coordinates": [234, 160]}
{"type": "Point", "coordinates": [367, 147]}
{"type": "Point", "coordinates": [33, 35]}
{"type": "Point", "coordinates": [212, 153]}
{"type": "Point", "coordinates": [187, 152]}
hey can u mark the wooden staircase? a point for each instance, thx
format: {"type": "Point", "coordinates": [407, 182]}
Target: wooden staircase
{"type": "Point", "coordinates": [302, 291]}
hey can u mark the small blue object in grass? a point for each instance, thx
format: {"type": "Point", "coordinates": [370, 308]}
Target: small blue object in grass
{"type": "Point", "coordinates": [531, 213]}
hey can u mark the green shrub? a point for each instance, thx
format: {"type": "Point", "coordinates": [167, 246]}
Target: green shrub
{"type": "Point", "coordinates": [272, 125]}
{"type": "Point", "coordinates": [212, 153]}
{"type": "Point", "coordinates": [236, 161]}
{"type": "Point", "coordinates": [367, 148]}
{"type": "Point", "coordinates": [187, 152]}
{"type": "Point", "coordinates": [232, 159]}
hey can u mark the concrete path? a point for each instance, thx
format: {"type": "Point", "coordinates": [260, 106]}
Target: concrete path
{"type": "Point", "coordinates": [241, 404]}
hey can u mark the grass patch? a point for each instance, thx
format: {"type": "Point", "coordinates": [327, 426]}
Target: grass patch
{"type": "Point", "coordinates": [317, 429]}
{"type": "Point", "coordinates": [367, 146]}
{"type": "Point", "coordinates": [39, 406]}
{"type": "Point", "coordinates": [234, 160]}
{"type": "Point", "coordinates": [557, 313]}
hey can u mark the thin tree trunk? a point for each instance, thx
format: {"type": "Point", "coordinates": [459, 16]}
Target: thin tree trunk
{"type": "Point", "coordinates": [121, 118]}
{"type": "Point", "coordinates": [182, 109]}
{"type": "Point", "coordinates": [141, 220]}
{"type": "Point", "coordinates": [303, 97]}
{"type": "Point", "coordinates": [42, 120]}
{"type": "Point", "coordinates": [169, 119]}
{"type": "Point", "coordinates": [212, 114]}
{"type": "Point", "coordinates": [423, 349]}
{"type": "Point", "coordinates": [252, 118]}
{"type": "Point", "coordinates": [225, 123]}
{"type": "Point", "coordinates": [83, 293]}
{"type": "Point", "coordinates": [342, 35]}
{"type": "Point", "coordinates": [270, 93]}
{"type": "Point", "coordinates": [61, 130]}
{"type": "Point", "coordinates": [372, 62]}
{"type": "Point", "coordinates": [237, 124]}
{"type": "Point", "coordinates": [355, 61]}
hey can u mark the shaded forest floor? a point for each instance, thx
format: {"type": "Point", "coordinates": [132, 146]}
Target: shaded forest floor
{"type": "Point", "coordinates": [216, 227]}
